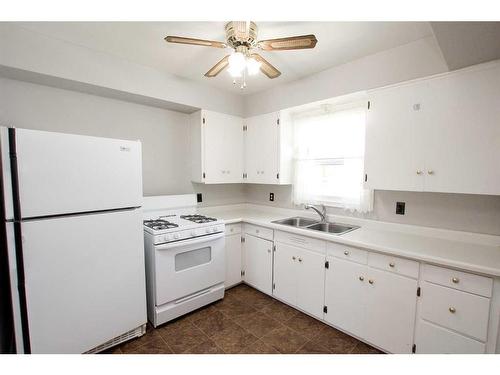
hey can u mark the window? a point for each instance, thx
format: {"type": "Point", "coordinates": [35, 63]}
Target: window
{"type": "Point", "coordinates": [329, 146]}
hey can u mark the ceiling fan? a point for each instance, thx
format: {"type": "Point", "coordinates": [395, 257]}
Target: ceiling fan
{"type": "Point", "coordinates": [241, 36]}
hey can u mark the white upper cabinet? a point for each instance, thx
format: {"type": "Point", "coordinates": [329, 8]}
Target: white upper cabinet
{"type": "Point", "coordinates": [216, 147]}
{"type": "Point", "coordinates": [268, 152]}
{"type": "Point", "coordinates": [463, 133]}
{"type": "Point", "coordinates": [393, 139]}
{"type": "Point", "coordinates": [439, 134]}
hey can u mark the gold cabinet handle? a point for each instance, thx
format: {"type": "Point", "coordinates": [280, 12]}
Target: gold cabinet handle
{"type": "Point", "coordinates": [361, 278]}
{"type": "Point", "coordinates": [419, 172]}
{"type": "Point", "coordinates": [371, 281]}
{"type": "Point", "coordinates": [346, 252]}
{"type": "Point", "coordinates": [452, 310]}
{"type": "Point", "coordinates": [392, 265]}
{"type": "Point", "coordinates": [455, 280]}
{"type": "Point", "coordinates": [430, 172]}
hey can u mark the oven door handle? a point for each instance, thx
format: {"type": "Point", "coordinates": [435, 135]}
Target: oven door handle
{"type": "Point", "coordinates": [189, 242]}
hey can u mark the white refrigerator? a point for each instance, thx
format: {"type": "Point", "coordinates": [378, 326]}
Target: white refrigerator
{"type": "Point", "coordinates": [74, 236]}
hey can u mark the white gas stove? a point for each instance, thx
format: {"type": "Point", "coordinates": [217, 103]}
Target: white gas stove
{"type": "Point", "coordinates": [185, 257]}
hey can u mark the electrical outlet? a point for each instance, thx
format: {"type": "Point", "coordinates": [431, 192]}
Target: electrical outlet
{"type": "Point", "coordinates": [400, 208]}
{"type": "Point", "coordinates": [271, 197]}
{"type": "Point", "coordinates": [199, 198]}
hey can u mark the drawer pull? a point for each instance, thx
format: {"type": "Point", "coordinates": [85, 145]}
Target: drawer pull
{"type": "Point", "coordinates": [452, 310]}
{"type": "Point", "coordinates": [391, 265]}
{"type": "Point", "coordinates": [293, 258]}
{"type": "Point", "coordinates": [231, 230]}
{"type": "Point", "coordinates": [257, 231]}
{"type": "Point", "coordinates": [300, 259]}
{"type": "Point", "coordinates": [346, 252]}
{"type": "Point", "coordinates": [455, 280]}
{"type": "Point", "coordinates": [361, 278]}
{"type": "Point", "coordinates": [371, 281]}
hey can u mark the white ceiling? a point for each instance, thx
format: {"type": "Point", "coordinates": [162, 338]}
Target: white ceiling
{"type": "Point", "coordinates": [142, 42]}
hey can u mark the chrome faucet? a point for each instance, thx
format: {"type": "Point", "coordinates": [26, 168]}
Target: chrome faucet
{"type": "Point", "coordinates": [322, 213]}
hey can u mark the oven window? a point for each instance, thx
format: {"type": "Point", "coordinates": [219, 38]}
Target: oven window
{"type": "Point", "coordinates": [193, 258]}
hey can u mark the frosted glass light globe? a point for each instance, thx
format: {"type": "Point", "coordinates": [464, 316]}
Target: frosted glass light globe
{"type": "Point", "coordinates": [253, 66]}
{"type": "Point", "coordinates": [236, 64]}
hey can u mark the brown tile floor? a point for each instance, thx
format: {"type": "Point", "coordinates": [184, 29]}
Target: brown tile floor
{"type": "Point", "coordinates": [245, 321]}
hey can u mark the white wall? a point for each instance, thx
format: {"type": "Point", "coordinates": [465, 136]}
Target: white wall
{"type": "Point", "coordinates": [413, 60]}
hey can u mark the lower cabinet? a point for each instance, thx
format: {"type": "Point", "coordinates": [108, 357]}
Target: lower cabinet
{"type": "Point", "coordinates": [391, 302]}
{"type": "Point", "coordinates": [345, 294]}
{"type": "Point", "coordinates": [376, 305]}
{"type": "Point", "coordinates": [233, 259]}
{"type": "Point", "coordinates": [258, 263]}
{"type": "Point", "coordinates": [299, 278]}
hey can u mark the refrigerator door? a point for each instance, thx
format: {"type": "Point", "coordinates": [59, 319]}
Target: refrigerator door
{"type": "Point", "coordinates": [85, 279]}
{"type": "Point", "coordinates": [63, 173]}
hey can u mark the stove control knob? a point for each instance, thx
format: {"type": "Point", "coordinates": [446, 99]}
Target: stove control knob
{"type": "Point", "coordinates": [193, 233]}
{"type": "Point", "coordinates": [176, 236]}
{"type": "Point", "coordinates": [214, 229]}
{"type": "Point", "coordinates": [207, 230]}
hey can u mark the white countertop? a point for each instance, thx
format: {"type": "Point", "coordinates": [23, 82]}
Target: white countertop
{"type": "Point", "coordinates": [462, 250]}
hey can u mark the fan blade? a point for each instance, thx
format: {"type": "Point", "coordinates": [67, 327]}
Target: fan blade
{"type": "Point", "coordinates": [266, 66]}
{"type": "Point", "coordinates": [292, 42]}
{"type": "Point", "coordinates": [196, 42]}
{"type": "Point", "coordinates": [217, 68]}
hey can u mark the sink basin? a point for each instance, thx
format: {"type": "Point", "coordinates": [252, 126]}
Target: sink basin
{"type": "Point", "coordinates": [332, 227]}
{"type": "Point", "coordinates": [296, 221]}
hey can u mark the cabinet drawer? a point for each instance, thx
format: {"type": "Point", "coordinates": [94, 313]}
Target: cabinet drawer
{"type": "Point", "coordinates": [400, 266]}
{"type": "Point", "coordinates": [233, 229]}
{"type": "Point", "coordinates": [431, 339]}
{"type": "Point", "coordinates": [260, 232]}
{"type": "Point", "coordinates": [458, 280]}
{"type": "Point", "coordinates": [347, 252]}
{"type": "Point", "coordinates": [463, 312]}
{"type": "Point", "coordinates": [301, 241]}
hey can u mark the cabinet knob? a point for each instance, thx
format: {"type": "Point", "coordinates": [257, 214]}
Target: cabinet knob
{"type": "Point", "coordinates": [419, 172]}
{"type": "Point", "coordinates": [452, 310]}
{"type": "Point", "coordinates": [257, 231]}
{"type": "Point", "coordinates": [361, 278]}
{"type": "Point", "coordinates": [346, 252]}
{"type": "Point", "coordinates": [268, 250]}
{"type": "Point", "coordinates": [455, 280]}
{"type": "Point", "coordinates": [371, 281]}
{"type": "Point", "coordinates": [430, 172]}
{"type": "Point", "coordinates": [300, 259]}
{"type": "Point", "coordinates": [293, 258]}
{"type": "Point", "coordinates": [392, 265]}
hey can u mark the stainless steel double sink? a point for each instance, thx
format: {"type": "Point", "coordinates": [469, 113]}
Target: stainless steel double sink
{"type": "Point", "coordinates": [326, 227]}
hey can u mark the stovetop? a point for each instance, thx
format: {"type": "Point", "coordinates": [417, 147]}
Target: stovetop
{"type": "Point", "coordinates": [169, 222]}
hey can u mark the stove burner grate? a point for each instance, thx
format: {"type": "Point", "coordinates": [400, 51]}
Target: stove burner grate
{"type": "Point", "coordinates": [159, 224]}
{"type": "Point", "coordinates": [199, 219]}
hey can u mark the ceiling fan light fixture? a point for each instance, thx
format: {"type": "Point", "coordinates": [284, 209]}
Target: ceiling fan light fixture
{"type": "Point", "coordinates": [237, 64]}
{"type": "Point", "coordinates": [253, 66]}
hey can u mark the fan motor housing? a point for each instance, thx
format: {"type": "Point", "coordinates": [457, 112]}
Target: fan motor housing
{"type": "Point", "coordinates": [238, 35]}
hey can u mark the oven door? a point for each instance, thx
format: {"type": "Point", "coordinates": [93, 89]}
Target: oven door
{"type": "Point", "coordinates": [186, 267]}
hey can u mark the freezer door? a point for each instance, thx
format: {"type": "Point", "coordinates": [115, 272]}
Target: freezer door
{"type": "Point", "coordinates": [85, 279]}
{"type": "Point", "coordinates": [64, 173]}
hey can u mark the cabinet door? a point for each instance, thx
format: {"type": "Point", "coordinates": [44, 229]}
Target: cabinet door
{"type": "Point", "coordinates": [233, 260]}
{"type": "Point", "coordinates": [258, 263]}
{"type": "Point", "coordinates": [223, 148]}
{"type": "Point", "coordinates": [261, 148]}
{"type": "Point", "coordinates": [345, 295]}
{"type": "Point", "coordinates": [390, 311]}
{"type": "Point", "coordinates": [311, 282]}
{"type": "Point", "coordinates": [393, 139]}
{"type": "Point", "coordinates": [463, 133]}
{"type": "Point", "coordinates": [285, 273]}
